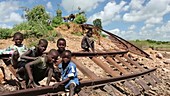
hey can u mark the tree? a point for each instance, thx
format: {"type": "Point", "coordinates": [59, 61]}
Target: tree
{"type": "Point", "coordinates": [57, 20]}
{"type": "Point", "coordinates": [80, 18]}
{"type": "Point", "coordinates": [38, 21]}
{"type": "Point", "coordinates": [98, 23]}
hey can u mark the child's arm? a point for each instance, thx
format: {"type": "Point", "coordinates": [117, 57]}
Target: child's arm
{"type": "Point", "coordinates": [27, 57]}
{"type": "Point", "coordinates": [89, 42]}
{"type": "Point", "coordinates": [62, 82]}
{"type": "Point", "coordinates": [28, 69]}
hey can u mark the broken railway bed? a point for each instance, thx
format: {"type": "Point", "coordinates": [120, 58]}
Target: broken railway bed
{"type": "Point", "coordinates": [119, 65]}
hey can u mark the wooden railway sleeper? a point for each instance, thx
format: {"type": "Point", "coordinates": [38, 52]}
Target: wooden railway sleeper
{"type": "Point", "coordinates": [90, 74]}
{"type": "Point", "coordinates": [141, 68]}
{"type": "Point", "coordinates": [139, 81]}
{"type": "Point", "coordinates": [110, 71]}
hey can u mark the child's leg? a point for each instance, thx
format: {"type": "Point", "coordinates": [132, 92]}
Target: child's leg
{"type": "Point", "coordinates": [72, 87]}
{"type": "Point", "coordinates": [14, 59]}
{"type": "Point", "coordinates": [92, 45]}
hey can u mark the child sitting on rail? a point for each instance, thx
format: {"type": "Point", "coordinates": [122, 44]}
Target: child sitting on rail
{"type": "Point", "coordinates": [68, 73]}
{"type": "Point", "coordinates": [87, 42]}
{"type": "Point", "coordinates": [61, 45]}
{"type": "Point", "coordinates": [31, 55]}
{"type": "Point", "coordinates": [15, 50]}
{"type": "Point", "coordinates": [40, 68]}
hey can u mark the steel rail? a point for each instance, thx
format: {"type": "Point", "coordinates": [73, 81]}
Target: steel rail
{"type": "Point", "coordinates": [91, 54]}
{"type": "Point", "coordinates": [50, 89]}
{"type": "Point", "coordinates": [132, 48]}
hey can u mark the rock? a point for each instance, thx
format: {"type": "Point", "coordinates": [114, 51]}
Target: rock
{"type": "Point", "coordinates": [159, 55]}
{"type": "Point", "coordinates": [166, 70]}
{"type": "Point", "coordinates": [167, 61]}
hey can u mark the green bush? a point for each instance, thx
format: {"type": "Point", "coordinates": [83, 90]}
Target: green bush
{"type": "Point", "coordinates": [80, 19]}
{"type": "Point", "coordinates": [5, 33]}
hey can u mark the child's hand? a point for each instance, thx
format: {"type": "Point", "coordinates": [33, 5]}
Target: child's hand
{"type": "Point", "coordinates": [35, 58]}
{"type": "Point", "coordinates": [32, 84]}
{"type": "Point", "coordinates": [56, 85]}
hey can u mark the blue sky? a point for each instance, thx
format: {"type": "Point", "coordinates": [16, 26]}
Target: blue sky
{"type": "Point", "coordinates": [129, 19]}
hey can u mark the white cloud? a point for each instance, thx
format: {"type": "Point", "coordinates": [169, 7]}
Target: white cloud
{"type": "Point", "coordinates": [128, 35]}
{"type": "Point", "coordinates": [85, 5]}
{"type": "Point", "coordinates": [115, 31]}
{"type": "Point", "coordinates": [148, 32]}
{"type": "Point", "coordinates": [5, 26]}
{"type": "Point", "coordinates": [49, 5]}
{"type": "Point", "coordinates": [7, 12]}
{"type": "Point", "coordinates": [136, 4]}
{"type": "Point", "coordinates": [110, 12]}
{"type": "Point", "coordinates": [147, 26]}
{"type": "Point", "coordinates": [132, 27]}
{"type": "Point", "coordinates": [164, 28]}
{"type": "Point", "coordinates": [13, 17]}
{"type": "Point", "coordinates": [150, 13]}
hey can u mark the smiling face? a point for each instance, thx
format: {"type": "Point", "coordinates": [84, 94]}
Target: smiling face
{"type": "Point", "coordinates": [66, 56]}
{"type": "Point", "coordinates": [61, 44]}
{"type": "Point", "coordinates": [18, 40]}
{"type": "Point", "coordinates": [52, 56]}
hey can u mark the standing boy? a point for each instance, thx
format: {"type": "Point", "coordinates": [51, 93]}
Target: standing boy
{"type": "Point", "coordinates": [68, 72]}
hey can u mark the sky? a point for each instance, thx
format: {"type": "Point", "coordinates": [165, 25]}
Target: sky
{"type": "Point", "coordinates": [129, 19]}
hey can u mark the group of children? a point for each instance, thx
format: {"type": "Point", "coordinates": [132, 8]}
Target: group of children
{"type": "Point", "coordinates": [33, 65]}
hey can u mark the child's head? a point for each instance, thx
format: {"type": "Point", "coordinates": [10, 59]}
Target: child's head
{"type": "Point", "coordinates": [66, 56]}
{"type": "Point", "coordinates": [52, 56]}
{"type": "Point", "coordinates": [18, 38]}
{"type": "Point", "coordinates": [42, 45]}
{"type": "Point", "coordinates": [61, 44]}
{"type": "Point", "coordinates": [89, 33]}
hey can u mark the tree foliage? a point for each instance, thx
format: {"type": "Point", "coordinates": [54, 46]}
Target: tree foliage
{"type": "Point", "coordinates": [5, 33]}
{"type": "Point", "coordinates": [97, 23]}
{"type": "Point", "coordinates": [37, 23]}
{"type": "Point", "coordinates": [57, 20]}
{"type": "Point", "coordinates": [80, 19]}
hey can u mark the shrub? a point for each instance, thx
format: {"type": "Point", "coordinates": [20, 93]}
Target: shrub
{"type": "Point", "coordinates": [5, 33]}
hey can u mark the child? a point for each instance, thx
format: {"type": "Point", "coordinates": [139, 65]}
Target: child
{"type": "Point", "coordinates": [32, 54]}
{"type": "Point", "coordinates": [40, 68]}
{"type": "Point", "coordinates": [87, 42]}
{"type": "Point", "coordinates": [61, 44]}
{"type": "Point", "coordinates": [68, 73]}
{"type": "Point", "coordinates": [15, 50]}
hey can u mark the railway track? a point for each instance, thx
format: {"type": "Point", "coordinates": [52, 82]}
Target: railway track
{"type": "Point", "coordinates": [119, 65]}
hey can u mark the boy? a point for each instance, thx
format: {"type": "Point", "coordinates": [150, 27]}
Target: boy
{"type": "Point", "coordinates": [68, 73]}
{"type": "Point", "coordinates": [15, 50]}
{"type": "Point", "coordinates": [31, 55]}
{"type": "Point", "coordinates": [40, 68]}
{"type": "Point", "coordinates": [61, 44]}
{"type": "Point", "coordinates": [87, 42]}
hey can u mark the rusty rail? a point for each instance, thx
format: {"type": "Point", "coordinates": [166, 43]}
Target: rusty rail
{"type": "Point", "coordinates": [88, 54]}
{"type": "Point", "coordinates": [49, 89]}
{"type": "Point", "coordinates": [125, 44]}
